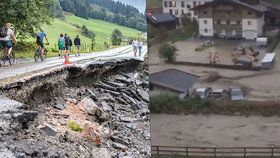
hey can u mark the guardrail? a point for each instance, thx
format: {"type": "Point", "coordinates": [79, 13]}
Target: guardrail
{"type": "Point", "coordinates": [216, 152]}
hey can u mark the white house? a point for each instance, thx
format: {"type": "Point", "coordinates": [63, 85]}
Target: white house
{"type": "Point", "coordinates": [179, 7]}
{"type": "Point", "coordinates": [231, 18]}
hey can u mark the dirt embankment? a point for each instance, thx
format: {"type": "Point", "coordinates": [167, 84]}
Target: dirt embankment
{"type": "Point", "coordinates": [100, 110]}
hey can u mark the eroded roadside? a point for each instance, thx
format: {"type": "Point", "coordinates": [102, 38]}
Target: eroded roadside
{"type": "Point", "coordinates": [94, 110]}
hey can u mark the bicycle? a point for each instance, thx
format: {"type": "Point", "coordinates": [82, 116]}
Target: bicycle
{"type": "Point", "coordinates": [5, 57]}
{"type": "Point", "coordinates": [38, 55]}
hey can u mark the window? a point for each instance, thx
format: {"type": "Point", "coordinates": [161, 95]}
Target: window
{"type": "Point", "coordinates": [204, 12]}
{"type": "Point", "coordinates": [176, 12]}
{"type": "Point", "coordinates": [249, 13]}
{"type": "Point", "coordinates": [171, 11]}
{"type": "Point", "coordinates": [194, 4]}
{"type": "Point", "coordinates": [238, 22]}
{"type": "Point", "coordinates": [183, 11]}
{"type": "Point", "coordinates": [228, 22]}
{"type": "Point", "coordinates": [199, 3]}
{"type": "Point", "coordinates": [165, 4]}
{"type": "Point", "coordinates": [218, 21]}
{"type": "Point", "coordinates": [223, 22]}
{"type": "Point", "coordinates": [170, 3]}
{"type": "Point", "coordinates": [205, 30]}
{"type": "Point", "coordinates": [182, 4]}
{"type": "Point", "coordinates": [174, 3]}
{"type": "Point", "coordinates": [249, 23]}
{"type": "Point", "coordinates": [205, 21]}
{"type": "Point", "coordinates": [189, 14]}
{"type": "Point", "coordinates": [188, 6]}
{"type": "Point", "coordinates": [233, 22]}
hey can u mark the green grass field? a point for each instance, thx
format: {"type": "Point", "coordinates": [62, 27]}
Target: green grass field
{"type": "Point", "coordinates": [102, 29]}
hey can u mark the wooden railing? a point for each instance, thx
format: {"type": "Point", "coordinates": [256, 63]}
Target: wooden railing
{"type": "Point", "coordinates": [235, 152]}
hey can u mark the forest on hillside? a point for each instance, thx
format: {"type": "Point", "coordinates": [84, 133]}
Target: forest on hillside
{"type": "Point", "coordinates": [107, 10]}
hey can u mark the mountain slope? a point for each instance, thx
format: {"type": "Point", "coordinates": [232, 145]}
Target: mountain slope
{"type": "Point", "coordinates": [102, 29]}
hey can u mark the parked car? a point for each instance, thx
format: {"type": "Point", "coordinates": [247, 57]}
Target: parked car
{"type": "Point", "coordinates": [219, 94]}
{"type": "Point", "coordinates": [236, 94]}
{"type": "Point", "coordinates": [203, 93]}
{"type": "Point", "coordinates": [184, 95]}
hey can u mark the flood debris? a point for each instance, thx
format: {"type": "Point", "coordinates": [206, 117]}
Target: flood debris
{"type": "Point", "coordinates": [108, 100]}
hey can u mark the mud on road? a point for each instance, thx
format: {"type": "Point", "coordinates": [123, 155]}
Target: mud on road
{"type": "Point", "coordinates": [95, 110]}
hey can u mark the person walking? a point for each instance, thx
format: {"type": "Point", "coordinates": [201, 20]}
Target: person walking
{"type": "Point", "coordinates": [140, 46]}
{"type": "Point", "coordinates": [77, 43]}
{"type": "Point", "coordinates": [134, 45]}
{"type": "Point", "coordinates": [67, 43]}
{"type": "Point", "coordinates": [61, 45]}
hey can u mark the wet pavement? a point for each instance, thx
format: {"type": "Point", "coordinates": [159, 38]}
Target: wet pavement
{"type": "Point", "coordinates": [30, 67]}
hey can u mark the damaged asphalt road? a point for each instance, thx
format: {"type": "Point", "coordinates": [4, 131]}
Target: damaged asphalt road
{"type": "Point", "coordinates": [95, 110]}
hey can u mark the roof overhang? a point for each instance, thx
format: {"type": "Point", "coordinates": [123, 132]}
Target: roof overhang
{"type": "Point", "coordinates": [259, 9]}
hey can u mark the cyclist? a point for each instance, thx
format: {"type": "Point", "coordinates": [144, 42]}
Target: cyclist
{"type": "Point", "coordinates": [6, 35]}
{"type": "Point", "coordinates": [40, 41]}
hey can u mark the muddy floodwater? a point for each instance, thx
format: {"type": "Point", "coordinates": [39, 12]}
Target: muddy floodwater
{"type": "Point", "coordinates": [215, 130]}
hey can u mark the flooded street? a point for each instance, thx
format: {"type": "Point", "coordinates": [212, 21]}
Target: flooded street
{"type": "Point", "coordinates": [215, 130]}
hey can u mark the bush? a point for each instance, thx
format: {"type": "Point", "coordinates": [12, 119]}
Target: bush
{"type": "Point", "coordinates": [173, 105]}
{"type": "Point", "coordinates": [274, 42]}
{"type": "Point", "coordinates": [77, 26]}
{"type": "Point", "coordinates": [25, 46]}
{"type": "Point", "coordinates": [116, 37]}
{"type": "Point", "coordinates": [167, 51]}
{"type": "Point", "coordinates": [86, 32]}
{"type": "Point", "coordinates": [74, 126]}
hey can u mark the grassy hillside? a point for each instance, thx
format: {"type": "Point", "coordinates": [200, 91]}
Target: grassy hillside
{"type": "Point", "coordinates": [102, 30]}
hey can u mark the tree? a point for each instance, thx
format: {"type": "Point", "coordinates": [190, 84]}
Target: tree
{"type": "Point", "coordinates": [116, 37]}
{"type": "Point", "coordinates": [28, 16]}
{"type": "Point", "coordinates": [103, 13]}
{"type": "Point", "coordinates": [93, 43]}
{"type": "Point", "coordinates": [167, 52]}
{"type": "Point", "coordinates": [132, 22]}
{"type": "Point", "coordinates": [57, 10]}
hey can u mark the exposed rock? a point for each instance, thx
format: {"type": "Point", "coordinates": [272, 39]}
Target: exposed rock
{"type": "Point", "coordinates": [102, 116]}
{"type": "Point", "coordinates": [89, 106]}
{"type": "Point", "coordinates": [120, 147]}
{"type": "Point", "coordinates": [92, 95]}
{"type": "Point", "coordinates": [59, 106]}
{"type": "Point", "coordinates": [107, 100]}
{"type": "Point", "coordinates": [101, 153]}
{"type": "Point", "coordinates": [49, 130]}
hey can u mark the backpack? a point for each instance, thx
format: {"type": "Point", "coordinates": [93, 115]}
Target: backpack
{"type": "Point", "coordinates": [38, 39]}
{"type": "Point", "coordinates": [70, 44]}
{"type": "Point", "coordinates": [4, 32]}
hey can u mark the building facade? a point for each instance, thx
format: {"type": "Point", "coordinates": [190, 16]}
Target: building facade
{"type": "Point", "coordinates": [179, 7]}
{"type": "Point", "coordinates": [231, 18]}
